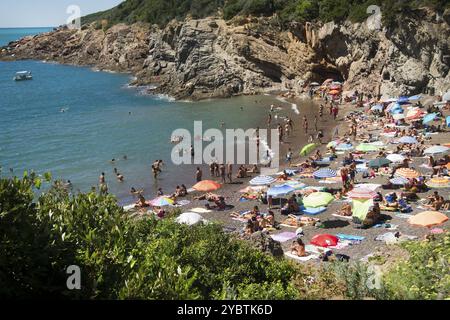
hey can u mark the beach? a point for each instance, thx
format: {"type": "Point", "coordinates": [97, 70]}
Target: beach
{"type": "Point", "coordinates": [330, 223]}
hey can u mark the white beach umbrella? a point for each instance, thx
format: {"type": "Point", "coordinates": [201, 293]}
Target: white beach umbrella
{"type": "Point", "coordinates": [436, 149]}
{"type": "Point", "coordinates": [190, 218]}
{"type": "Point", "coordinates": [446, 96]}
{"type": "Point", "coordinates": [395, 157]}
{"type": "Point", "coordinates": [262, 180]}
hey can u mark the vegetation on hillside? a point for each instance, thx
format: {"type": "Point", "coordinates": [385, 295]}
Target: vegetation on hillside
{"type": "Point", "coordinates": [128, 258]}
{"type": "Point", "coordinates": [162, 11]}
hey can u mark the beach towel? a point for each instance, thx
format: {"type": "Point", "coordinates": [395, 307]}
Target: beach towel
{"type": "Point", "coordinates": [344, 217]}
{"type": "Point", "coordinates": [239, 219]}
{"type": "Point", "coordinates": [200, 210]}
{"type": "Point", "coordinates": [182, 203]}
{"type": "Point", "coordinates": [388, 226]}
{"type": "Point", "coordinates": [315, 249]}
{"type": "Point", "coordinates": [350, 237]}
{"type": "Point", "coordinates": [341, 245]}
{"type": "Point", "coordinates": [287, 225]}
{"type": "Point", "coordinates": [284, 236]}
{"type": "Point", "coordinates": [312, 211]}
{"type": "Point", "coordinates": [403, 215]}
{"type": "Point", "coordinates": [302, 259]}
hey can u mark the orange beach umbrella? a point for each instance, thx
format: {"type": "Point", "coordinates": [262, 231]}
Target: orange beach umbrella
{"type": "Point", "coordinates": [428, 219]}
{"type": "Point", "coordinates": [334, 92]}
{"type": "Point", "coordinates": [206, 186]}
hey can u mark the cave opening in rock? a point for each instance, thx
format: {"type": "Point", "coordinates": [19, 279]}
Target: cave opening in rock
{"type": "Point", "coordinates": [322, 73]}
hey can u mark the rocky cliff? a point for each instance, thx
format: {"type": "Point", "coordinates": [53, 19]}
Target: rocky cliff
{"type": "Point", "coordinates": [206, 58]}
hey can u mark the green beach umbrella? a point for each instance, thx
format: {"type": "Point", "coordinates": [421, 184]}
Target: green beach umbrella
{"type": "Point", "coordinates": [366, 147]}
{"type": "Point", "coordinates": [307, 149]}
{"type": "Point", "coordinates": [318, 199]}
{"type": "Point", "coordinates": [379, 162]}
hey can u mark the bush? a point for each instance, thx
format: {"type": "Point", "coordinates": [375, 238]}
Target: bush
{"type": "Point", "coordinates": [425, 275]}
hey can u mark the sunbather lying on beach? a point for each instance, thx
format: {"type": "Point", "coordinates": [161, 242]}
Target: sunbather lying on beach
{"type": "Point", "coordinates": [208, 196]}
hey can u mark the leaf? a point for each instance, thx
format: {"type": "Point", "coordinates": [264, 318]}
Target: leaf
{"type": "Point", "coordinates": [37, 183]}
{"type": "Point", "coordinates": [48, 176]}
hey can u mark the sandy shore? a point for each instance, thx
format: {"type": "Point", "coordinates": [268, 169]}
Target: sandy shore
{"type": "Point", "coordinates": [332, 224]}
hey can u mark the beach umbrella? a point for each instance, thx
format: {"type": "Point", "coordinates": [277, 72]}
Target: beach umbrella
{"type": "Point", "coordinates": [281, 190]}
{"type": "Point", "coordinates": [398, 116]}
{"type": "Point", "coordinates": [324, 173]}
{"type": "Point", "coordinates": [377, 107]}
{"type": "Point", "coordinates": [407, 140]}
{"type": "Point", "coordinates": [414, 98]}
{"type": "Point", "coordinates": [438, 182]}
{"type": "Point", "coordinates": [436, 149]}
{"type": "Point", "coordinates": [407, 173]}
{"type": "Point", "coordinates": [344, 147]}
{"type": "Point", "coordinates": [327, 81]}
{"type": "Point", "coordinates": [379, 162]}
{"type": "Point", "coordinates": [189, 218]}
{"type": "Point", "coordinates": [399, 181]}
{"type": "Point", "coordinates": [366, 147]}
{"type": "Point", "coordinates": [403, 99]}
{"type": "Point", "coordinates": [324, 240]}
{"type": "Point", "coordinates": [395, 157]}
{"type": "Point", "coordinates": [335, 87]}
{"type": "Point", "coordinates": [315, 84]}
{"type": "Point", "coordinates": [428, 219]}
{"type": "Point", "coordinates": [447, 121]}
{"type": "Point", "coordinates": [361, 193]}
{"type": "Point", "coordinates": [370, 186]}
{"type": "Point", "coordinates": [161, 202]}
{"type": "Point", "coordinates": [333, 143]}
{"type": "Point", "coordinates": [262, 180]}
{"type": "Point", "coordinates": [297, 185]}
{"type": "Point", "coordinates": [334, 92]}
{"type": "Point", "coordinates": [307, 149]}
{"type": "Point", "coordinates": [414, 113]}
{"type": "Point", "coordinates": [206, 186]}
{"type": "Point", "coordinates": [318, 199]}
{"type": "Point", "coordinates": [446, 96]}
{"type": "Point", "coordinates": [429, 117]}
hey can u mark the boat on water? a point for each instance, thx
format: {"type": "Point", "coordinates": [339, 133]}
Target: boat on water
{"type": "Point", "coordinates": [23, 75]}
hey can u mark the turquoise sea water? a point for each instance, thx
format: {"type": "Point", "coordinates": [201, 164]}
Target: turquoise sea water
{"type": "Point", "coordinates": [11, 34]}
{"type": "Point", "coordinates": [97, 126]}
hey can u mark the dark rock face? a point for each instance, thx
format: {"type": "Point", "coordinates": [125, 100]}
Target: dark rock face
{"type": "Point", "coordinates": [209, 58]}
{"type": "Point", "coordinates": [265, 243]}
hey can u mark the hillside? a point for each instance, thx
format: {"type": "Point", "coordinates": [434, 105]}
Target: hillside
{"type": "Point", "coordinates": [162, 11]}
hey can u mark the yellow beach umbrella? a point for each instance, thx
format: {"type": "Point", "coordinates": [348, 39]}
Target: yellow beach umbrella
{"type": "Point", "coordinates": [438, 182]}
{"type": "Point", "coordinates": [407, 173]}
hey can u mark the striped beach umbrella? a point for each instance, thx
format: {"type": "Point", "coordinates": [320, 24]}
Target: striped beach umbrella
{"type": "Point", "coordinates": [436, 149]}
{"type": "Point", "coordinates": [361, 193]}
{"type": "Point", "coordinates": [408, 140]}
{"type": "Point", "coordinates": [324, 173]}
{"type": "Point", "coordinates": [399, 181]}
{"type": "Point", "coordinates": [318, 199]}
{"type": "Point", "coordinates": [428, 219]}
{"type": "Point", "coordinates": [206, 186]}
{"type": "Point", "coordinates": [161, 202]}
{"type": "Point", "coordinates": [414, 113]}
{"type": "Point", "coordinates": [262, 180]}
{"type": "Point", "coordinates": [407, 173]}
{"type": "Point", "coordinates": [439, 182]}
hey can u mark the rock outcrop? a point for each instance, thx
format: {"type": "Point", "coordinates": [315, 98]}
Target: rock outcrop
{"type": "Point", "coordinates": [207, 58]}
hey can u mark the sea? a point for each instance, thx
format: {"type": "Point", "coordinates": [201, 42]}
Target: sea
{"type": "Point", "coordinates": [72, 121]}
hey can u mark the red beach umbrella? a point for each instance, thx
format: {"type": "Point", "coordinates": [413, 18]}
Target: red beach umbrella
{"type": "Point", "coordinates": [324, 240]}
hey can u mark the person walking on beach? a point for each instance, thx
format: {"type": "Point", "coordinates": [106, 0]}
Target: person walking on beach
{"type": "Point", "coordinates": [229, 172]}
{"type": "Point", "coordinates": [305, 124]}
{"type": "Point", "coordinates": [335, 111]}
{"type": "Point", "coordinates": [222, 172]}
{"type": "Point", "coordinates": [320, 136]}
{"type": "Point", "coordinates": [198, 174]}
{"type": "Point", "coordinates": [289, 157]}
{"type": "Point", "coordinates": [291, 124]}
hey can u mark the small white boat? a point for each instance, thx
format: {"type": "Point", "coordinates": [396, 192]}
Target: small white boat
{"type": "Point", "coordinates": [23, 75]}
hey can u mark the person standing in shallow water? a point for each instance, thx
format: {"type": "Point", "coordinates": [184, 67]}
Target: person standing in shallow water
{"type": "Point", "coordinates": [229, 172]}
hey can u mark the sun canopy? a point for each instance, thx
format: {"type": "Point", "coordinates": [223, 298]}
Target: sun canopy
{"type": "Point", "coordinates": [361, 207]}
{"type": "Point", "coordinates": [407, 140]}
{"type": "Point", "coordinates": [407, 173]}
{"type": "Point", "coordinates": [438, 183]}
{"type": "Point", "coordinates": [324, 240]}
{"type": "Point", "coordinates": [379, 162]}
{"type": "Point", "coordinates": [324, 173]}
{"type": "Point", "coordinates": [278, 191]}
{"type": "Point", "coordinates": [394, 157]}
{"type": "Point", "coordinates": [436, 149]}
{"type": "Point", "coordinates": [161, 202]}
{"type": "Point", "coordinates": [366, 147]}
{"type": "Point", "coordinates": [361, 193]}
{"type": "Point", "coordinates": [399, 181]}
{"type": "Point", "coordinates": [429, 117]}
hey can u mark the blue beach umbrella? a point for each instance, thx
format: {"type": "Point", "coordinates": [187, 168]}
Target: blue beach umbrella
{"type": "Point", "coordinates": [262, 180]}
{"type": "Point", "coordinates": [416, 97]}
{"type": "Point", "coordinates": [403, 99]}
{"type": "Point", "coordinates": [429, 117]}
{"type": "Point", "coordinates": [447, 120]}
{"type": "Point", "coordinates": [408, 140]}
{"type": "Point", "coordinates": [324, 173]}
{"type": "Point", "coordinates": [278, 191]}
